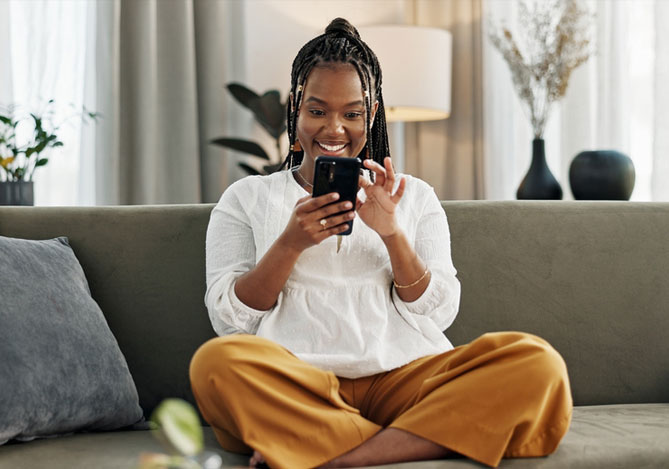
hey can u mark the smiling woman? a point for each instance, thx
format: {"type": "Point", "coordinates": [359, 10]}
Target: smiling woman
{"type": "Point", "coordinates": [334, 356]}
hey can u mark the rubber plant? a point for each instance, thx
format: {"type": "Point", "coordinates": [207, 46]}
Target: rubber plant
{"type": "Point", "coordinates": [270, 113]}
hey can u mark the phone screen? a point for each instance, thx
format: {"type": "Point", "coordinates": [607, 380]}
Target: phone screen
{"type": "Point", "coordinates": [337, 174]}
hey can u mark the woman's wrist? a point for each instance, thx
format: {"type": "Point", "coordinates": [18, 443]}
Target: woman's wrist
{"type": "Point", "coordinates": [288, 248]}
{"type": "Point", "coordinates": [392, 236]}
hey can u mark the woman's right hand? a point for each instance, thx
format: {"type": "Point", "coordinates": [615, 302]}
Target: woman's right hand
{"type": "Point", "coordinates": [305, 227]}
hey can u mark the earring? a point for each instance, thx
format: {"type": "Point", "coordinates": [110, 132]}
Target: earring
{"type": "Point", "coordinates": [296, 146]}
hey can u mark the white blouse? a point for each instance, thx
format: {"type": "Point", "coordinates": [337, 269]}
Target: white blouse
{"type": "Point", "coordinates": [337, 311]}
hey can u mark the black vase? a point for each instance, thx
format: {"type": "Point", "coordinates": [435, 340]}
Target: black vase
{"type": "Point", "coordinates": [601, 175]}
{"type": "Point", "coordinates": [16, 193]}
{"type": "Point", "coordinates": [539, 182]}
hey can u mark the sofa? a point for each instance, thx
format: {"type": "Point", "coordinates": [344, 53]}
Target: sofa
{"type": "Point", "coordinates": [590, 277]}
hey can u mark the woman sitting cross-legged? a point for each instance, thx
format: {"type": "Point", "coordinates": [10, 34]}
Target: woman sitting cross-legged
{"type": "Point", "coordinates": [334, 356]}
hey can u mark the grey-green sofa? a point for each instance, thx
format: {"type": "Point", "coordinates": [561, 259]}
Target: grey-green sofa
{"type": "Point", "coordinates": [590, 277]}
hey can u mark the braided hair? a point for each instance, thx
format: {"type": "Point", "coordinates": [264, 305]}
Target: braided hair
{"type": "Point", "coordinates": [340, 43]}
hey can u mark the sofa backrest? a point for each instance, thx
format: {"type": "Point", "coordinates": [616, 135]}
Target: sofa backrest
{"type": "Point", "coordinates": [145, 268]}
{"type": "Point", "coordinates": [590, 277]}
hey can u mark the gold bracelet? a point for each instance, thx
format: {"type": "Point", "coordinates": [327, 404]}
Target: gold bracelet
{"type": "Point", "coordinates": [414, 283]}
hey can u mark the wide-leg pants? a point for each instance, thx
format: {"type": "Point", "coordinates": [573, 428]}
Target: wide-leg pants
{"type": "Point", "coordinates": [502, 395]}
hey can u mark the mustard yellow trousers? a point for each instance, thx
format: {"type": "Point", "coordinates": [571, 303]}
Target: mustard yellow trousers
{"type": "Point", "coordinates": [502, 395]}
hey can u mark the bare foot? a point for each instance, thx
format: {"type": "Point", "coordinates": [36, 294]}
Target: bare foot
{"type": "Point", "coordinates": [390, 445]}
{"type": "Point", "coordinates": [256, 459]}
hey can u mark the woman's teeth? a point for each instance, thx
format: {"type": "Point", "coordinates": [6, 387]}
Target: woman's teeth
{"type": "Point", "coordinates": [332, 147]}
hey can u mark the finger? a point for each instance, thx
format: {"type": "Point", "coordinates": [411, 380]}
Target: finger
{"type": "Point", "coordinates": [378, 170]}
{"type": "Point", "coordinates": [314, 203]}
{"type": "Point", "coordinates": [390, 174]}
{"type": "Point", "coordinates": [335, 230]}
{"type": "Point", "coordinates": [400, 190]}
{"type": "Point", "coordinates": [302, 199]}
{"type": "Point", "coordinates": [364, 182]}
{"type": "Point", "coordinates": [339, 219]}
{"type": "Point", "coordinates": [331, 209]}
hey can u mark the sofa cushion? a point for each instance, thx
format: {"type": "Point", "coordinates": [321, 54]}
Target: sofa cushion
{"type": "Point", "coordinates": [617, 436]}
{"type": "Point", "coordinates": [60, 366]}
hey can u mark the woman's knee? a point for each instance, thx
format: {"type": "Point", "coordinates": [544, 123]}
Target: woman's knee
{"type": "Point", "coordinates": [217, 355]}
{"type": "Point", "coordinates": [544, 366]}
{"type": "Point", "coordinates": [534, 356]}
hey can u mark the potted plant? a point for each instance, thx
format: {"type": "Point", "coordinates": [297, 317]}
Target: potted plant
{"type": "Point", "coordinates": [270, 113]}
{"type": "Point", "coordinates": [23, 140]}
{"type": "Point", "coordinates": [553, 40]}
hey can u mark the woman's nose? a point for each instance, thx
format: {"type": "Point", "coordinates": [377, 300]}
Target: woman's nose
{"type": "Point", "coordinates": [335, 125]}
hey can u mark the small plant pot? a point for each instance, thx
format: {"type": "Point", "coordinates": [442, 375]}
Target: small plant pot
{"type": "Point", "coordinates": [17, 193]}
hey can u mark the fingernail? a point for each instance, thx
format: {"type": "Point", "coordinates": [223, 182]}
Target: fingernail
{"type": "Point", "coordinates": [348, 205]}
{"type": "Point", "coordinates": [335, 196]}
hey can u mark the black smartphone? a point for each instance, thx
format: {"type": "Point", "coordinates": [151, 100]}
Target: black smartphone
{"type": "Point", "coordinates": [337, 174]}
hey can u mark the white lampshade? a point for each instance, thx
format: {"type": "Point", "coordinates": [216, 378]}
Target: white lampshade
{"type": "Point", "coordinates": [416, 66]}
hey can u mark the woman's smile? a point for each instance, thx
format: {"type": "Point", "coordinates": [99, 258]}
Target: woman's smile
{"type": "Point", "coordinates": [332, 149]}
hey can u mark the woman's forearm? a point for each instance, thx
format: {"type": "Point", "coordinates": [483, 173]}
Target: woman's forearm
{"type": "Point", "coordinates": [259, 288]}
{"type": "Point", "coordinates": [409, 270]}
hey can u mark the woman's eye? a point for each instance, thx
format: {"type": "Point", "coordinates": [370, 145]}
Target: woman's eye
{"type": "Point", "coordinates": [353, 115]}
{"type": "Point", "coordinates": [316, 112]}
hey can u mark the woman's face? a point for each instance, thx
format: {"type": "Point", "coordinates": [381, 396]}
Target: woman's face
{"type": "Point", "coordinates": [331, 119]}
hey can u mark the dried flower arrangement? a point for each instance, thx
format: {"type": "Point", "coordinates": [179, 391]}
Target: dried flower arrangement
{"type": "Point", "coordinates": [553, 40]}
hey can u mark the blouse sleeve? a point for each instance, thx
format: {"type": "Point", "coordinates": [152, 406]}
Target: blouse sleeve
{"type": "Point", "coordinates": [230, 253]}
{"type": "Point", "coordinates": [441, 299]}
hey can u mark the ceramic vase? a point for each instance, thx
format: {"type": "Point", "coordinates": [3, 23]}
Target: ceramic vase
{"type": "Point", "coordinates": [539, 182]}
{"type": "Point", "coordinates": [602, 175]}
{"type": "Point", "coordinates": [16, 193]}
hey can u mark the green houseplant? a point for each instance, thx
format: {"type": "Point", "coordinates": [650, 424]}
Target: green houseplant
{"type": "Point", "coordinates": [270, 113]}
{"type": "Point", "coordinates": [23, 140]}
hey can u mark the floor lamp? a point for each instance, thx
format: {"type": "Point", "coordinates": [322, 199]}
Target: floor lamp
{"type": "Point", "coordinates": [416, 65]}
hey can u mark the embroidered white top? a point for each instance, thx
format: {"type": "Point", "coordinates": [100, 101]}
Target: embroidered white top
{"type": "Point", "coordinates": [337, 311]}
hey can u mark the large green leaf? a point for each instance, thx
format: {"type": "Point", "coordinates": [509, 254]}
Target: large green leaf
{"type": "Point", "coordinates": [271, 113]}
{"type": "Point", "coordinates": [272, 168]}
{"type": "Point", "coordinates": [249, 169]}
{"type": "Point", "coordinates": [245, 146]}
{"type": "Point", "coordinates": [267, 109]}
{"type": "Point", "coordinates": [243, 95]}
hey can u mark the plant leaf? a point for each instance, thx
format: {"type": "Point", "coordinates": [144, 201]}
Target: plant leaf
{"type": "Point", "coordinates": [272, 168]}
{"type": "Point", "coordinates": [267, 109]}
{"type": "Point", "coordinates": [41, 162]}
{"type": "Point", "coordinates": [271, 113]}
{"type": "Point", "coordinates": [249, 169]}
{"type": "Point", "coordinates": [179, 426]}
{"type": "Point", "coordinates": [245, 146]}
{"type": "Point", "coordinates": [243, 95]}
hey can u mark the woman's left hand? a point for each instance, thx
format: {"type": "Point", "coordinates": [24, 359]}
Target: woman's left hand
{"type": "Point", "coordinates": [378, 210]}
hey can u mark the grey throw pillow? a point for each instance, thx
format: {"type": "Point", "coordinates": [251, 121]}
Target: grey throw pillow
{"type": "Point", "coordinates": [61, 369]}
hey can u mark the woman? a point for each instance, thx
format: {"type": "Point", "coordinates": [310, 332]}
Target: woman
{"type": "Point", "coordinates": [334, 355]}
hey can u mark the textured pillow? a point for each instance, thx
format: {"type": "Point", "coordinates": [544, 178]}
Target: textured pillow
{"type": "Point", "coordinates": [61, 369]}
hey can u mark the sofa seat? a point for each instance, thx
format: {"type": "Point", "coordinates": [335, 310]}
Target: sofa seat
{"type": "Point", "coordinates": [607, 436]}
